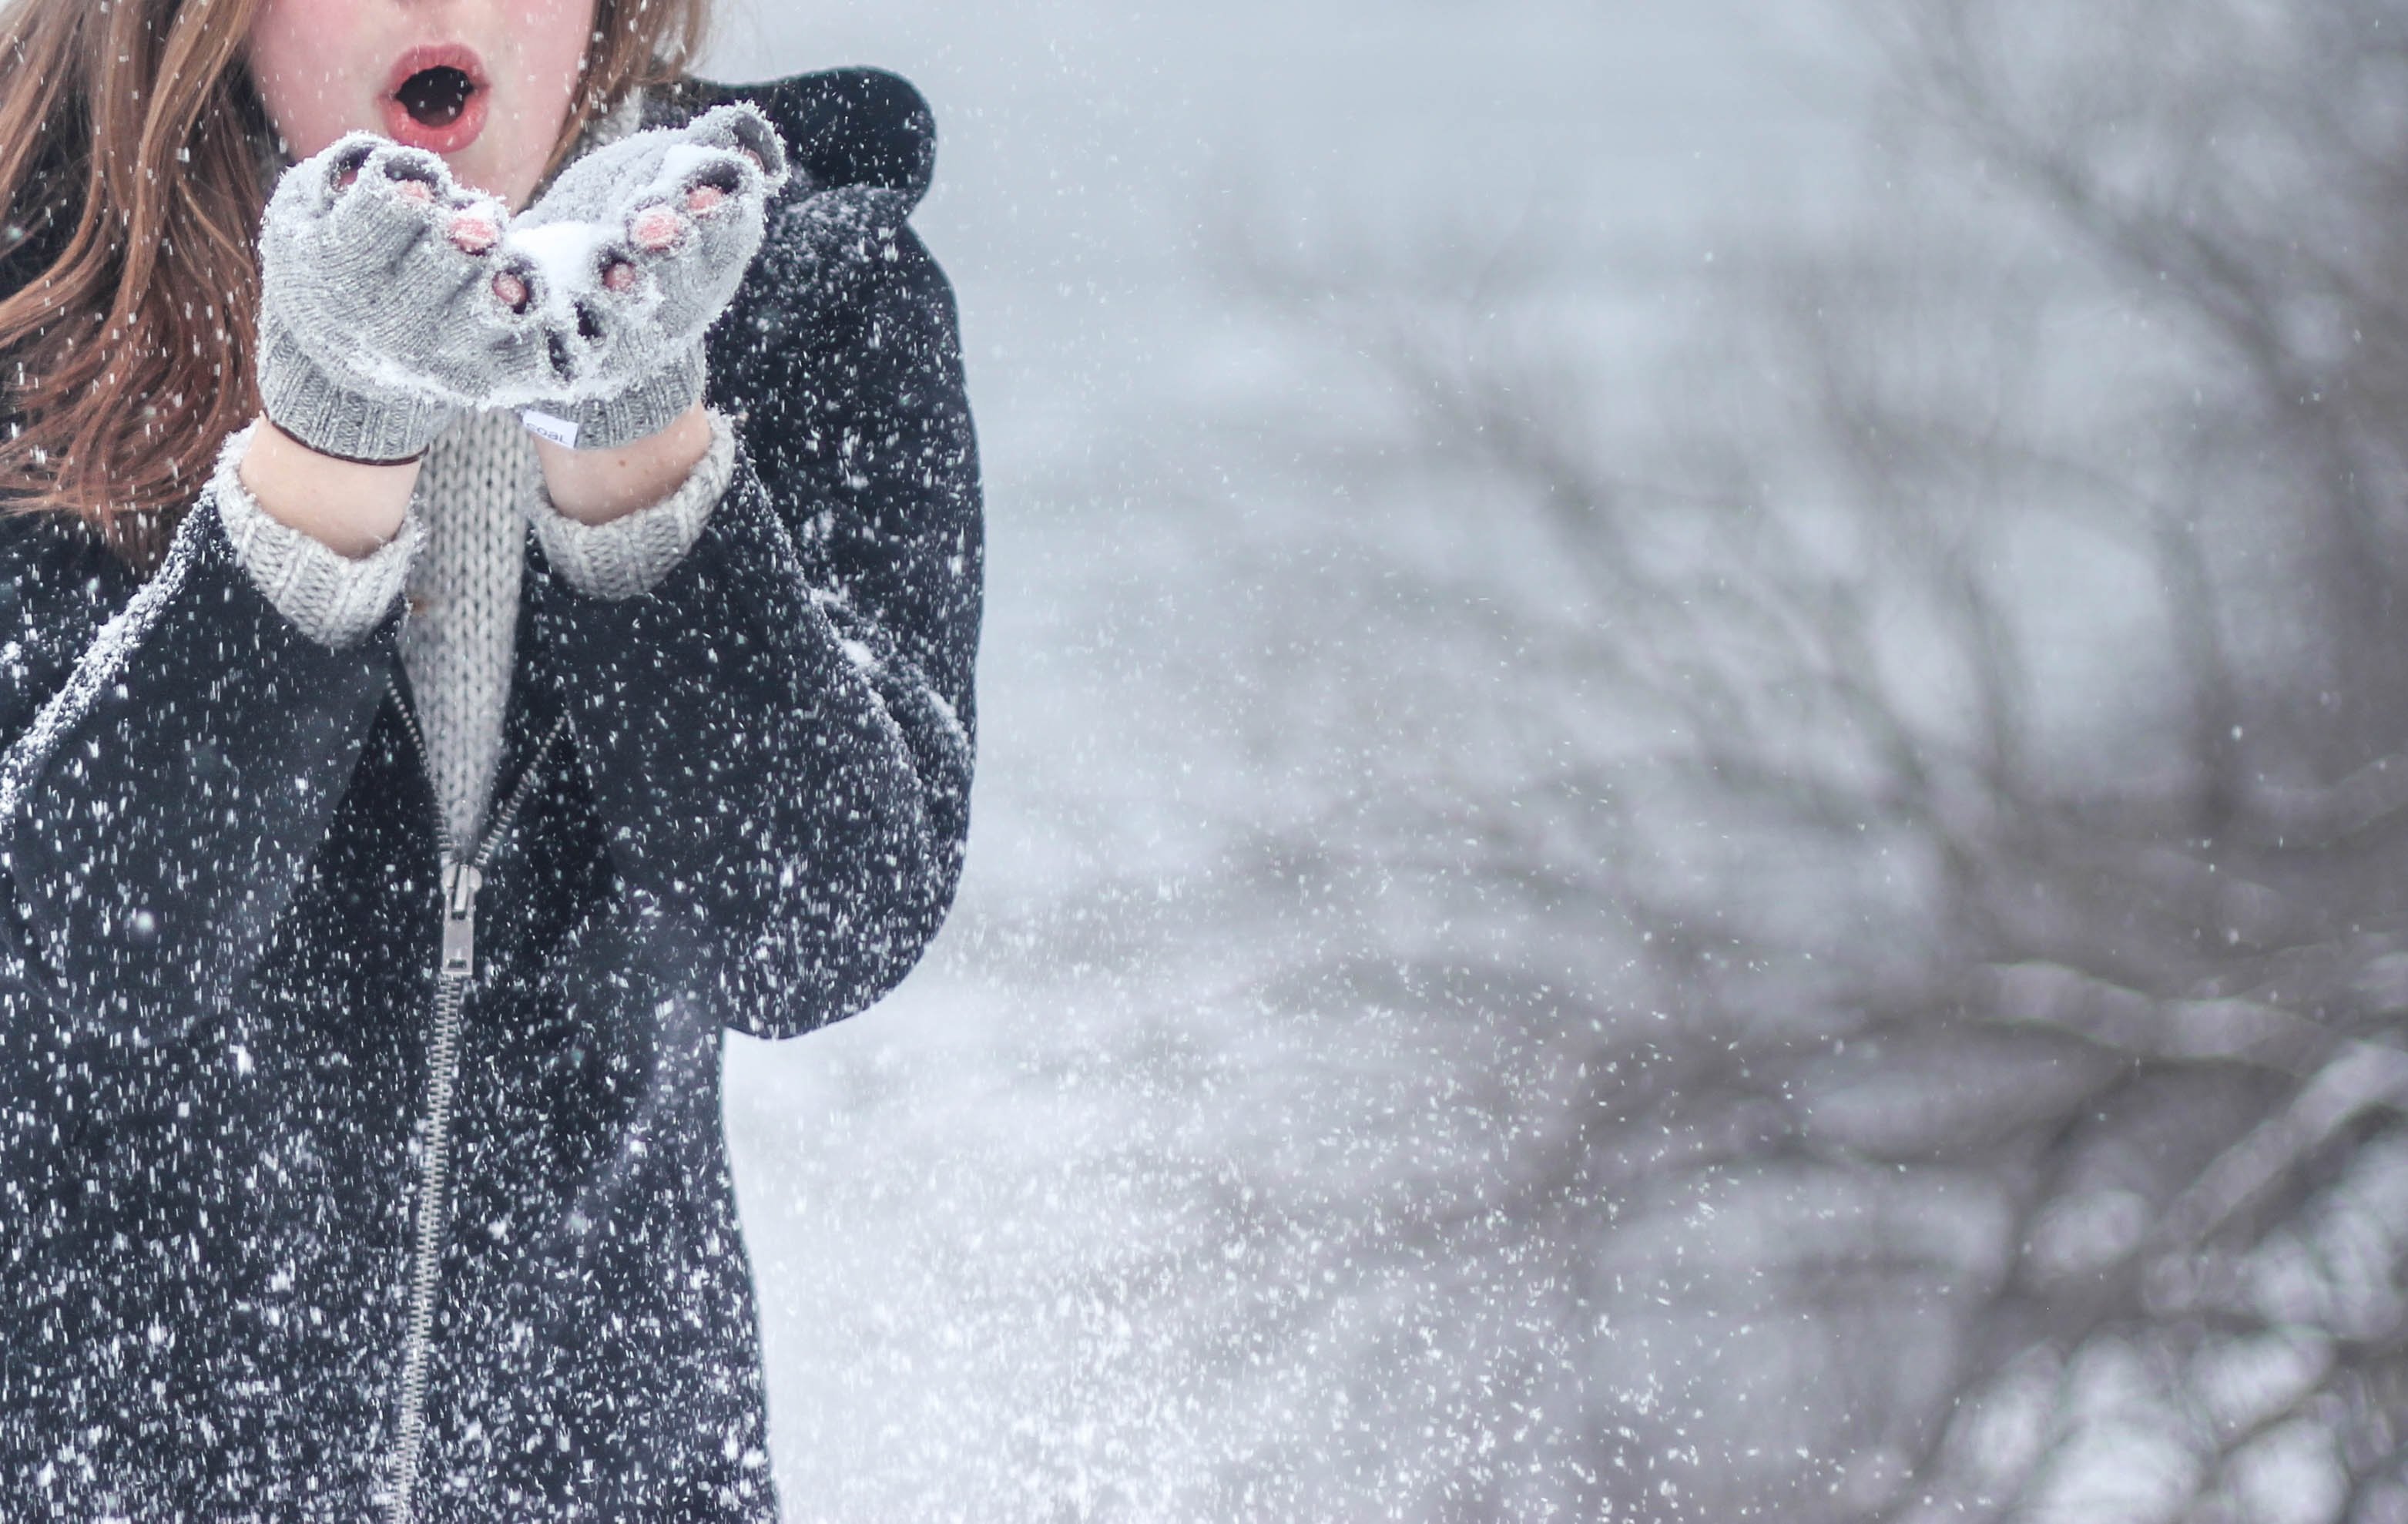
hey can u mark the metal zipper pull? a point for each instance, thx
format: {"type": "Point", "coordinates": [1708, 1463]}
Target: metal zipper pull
{"type": "Point", "coordinates": [460, 919]}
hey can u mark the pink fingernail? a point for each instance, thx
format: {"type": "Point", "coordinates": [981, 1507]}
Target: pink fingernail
{"type": "Point", "coordinates": [510, 291]}
{"type": "Point", "coordinates": [704, 197]}
{"type": "Point", "coordinates": [473, 232]}
{"type": "Point", "coordinates": [413, 190]}
{"type": "Point", "coordinates": [619, 275]}
{"type": "Point", "coordinates": [656, 228]}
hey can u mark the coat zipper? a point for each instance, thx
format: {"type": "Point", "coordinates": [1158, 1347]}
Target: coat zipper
{"type": "Point", "coordinates": [462, 878]}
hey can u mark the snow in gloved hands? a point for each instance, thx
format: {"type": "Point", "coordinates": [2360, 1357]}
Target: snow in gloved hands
{"type": "Point", "coordinates": [627, 259]}
{"type": "Point", "coordinates": [394, 297]}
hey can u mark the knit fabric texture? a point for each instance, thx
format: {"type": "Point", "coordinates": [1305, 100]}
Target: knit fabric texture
{"type": "Point", "coordinates": [623, 361]}
{"type": "Point", "coordinates": [376, 329]}
{"type": "Point", "coordinates": [460, 554]}
{"type": "Point", "coordinates": [337, 599]}
{"type": "Point", "coordinates": [458, 637]}
{"type": "Point", "coordinates": [627, 556]}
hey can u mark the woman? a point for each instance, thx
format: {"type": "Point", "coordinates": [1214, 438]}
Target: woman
{"type": "Point", "coordinates": [396, 805]}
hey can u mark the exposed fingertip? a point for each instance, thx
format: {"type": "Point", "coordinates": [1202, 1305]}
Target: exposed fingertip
{"type": "Point", "coordinates": [474, 232]}
{"type": "Point", "coordinates": [655, 228]}
{"type": "Point", "coordinates": [758, 139]}
{"type": "Point", "coordinates": [345, 167]}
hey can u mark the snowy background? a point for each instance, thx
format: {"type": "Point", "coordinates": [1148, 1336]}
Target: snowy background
{"type": "Point", "coordinates": [1506, 572]}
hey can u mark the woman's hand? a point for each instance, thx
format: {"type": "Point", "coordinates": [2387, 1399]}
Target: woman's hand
{"type": "Point", "coordinates": [376, 311]}
{"type": "Point", "coordinates": [349, 508]}
{"type": "Point", "coordinates": [594, 487]}
{"type": "Point", "coordinates": [378, 316]}
{"type": "Point", "coordinates": [624, 262]}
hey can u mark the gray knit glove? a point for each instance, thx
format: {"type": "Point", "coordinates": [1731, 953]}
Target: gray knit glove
{"type": "Point", "coordinates": [377, 323]}
{"type": "Point", "coordinates": [624, 262]}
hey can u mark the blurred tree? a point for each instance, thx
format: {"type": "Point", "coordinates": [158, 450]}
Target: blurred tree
{"type": "Point", "coordinates": [1975, 745]}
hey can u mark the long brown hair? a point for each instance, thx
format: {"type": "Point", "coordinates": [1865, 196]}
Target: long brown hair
{"type": "Point", "coordinates": [134, 166]}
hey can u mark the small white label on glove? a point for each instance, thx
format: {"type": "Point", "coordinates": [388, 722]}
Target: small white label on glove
{"type": "Point", "coordinates": [543, 425]}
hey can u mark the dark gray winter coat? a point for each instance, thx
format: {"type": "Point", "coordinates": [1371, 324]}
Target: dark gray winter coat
{"type": "Point", "coordinates": [738, 801]}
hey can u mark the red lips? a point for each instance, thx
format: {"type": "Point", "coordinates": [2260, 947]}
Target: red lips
{"type": "Point", "coordinates": [434, 97]}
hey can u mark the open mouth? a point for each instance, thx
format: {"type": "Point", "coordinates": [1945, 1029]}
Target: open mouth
{"type": "Point", "coordinates": [435, 98]}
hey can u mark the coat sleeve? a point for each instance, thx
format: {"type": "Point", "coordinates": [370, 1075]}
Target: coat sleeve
{"type": "Point", "coordinates": [779, 733]}
{"type": "Point", "coordinates": [174, 752]}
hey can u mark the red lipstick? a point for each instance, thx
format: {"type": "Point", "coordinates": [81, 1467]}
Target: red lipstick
{"type": "Point", "coordinates": [434, 97]}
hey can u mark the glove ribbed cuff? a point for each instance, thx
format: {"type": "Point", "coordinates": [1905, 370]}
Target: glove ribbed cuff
{"type": "Point", "coordinates": [333, 421]}
{"type": "Point", "coordinates": [644, 409]}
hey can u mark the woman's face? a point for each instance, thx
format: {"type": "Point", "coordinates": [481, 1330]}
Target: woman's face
{"type": "Point", "coordinates": [485, 83]}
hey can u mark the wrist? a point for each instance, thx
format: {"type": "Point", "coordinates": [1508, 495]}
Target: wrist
{"type": "Point", "coordinates": [597, 485]}
{"type": "Point", "coordinates": [350, 507]}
